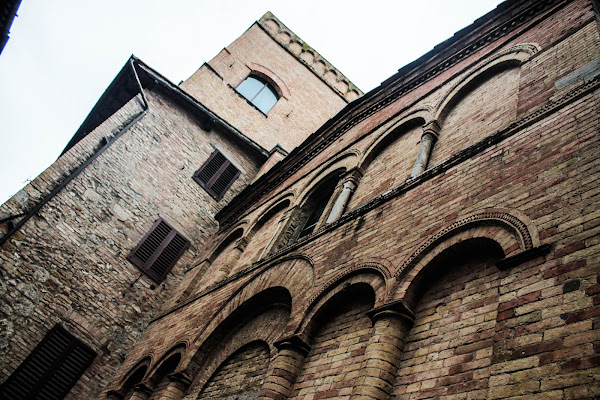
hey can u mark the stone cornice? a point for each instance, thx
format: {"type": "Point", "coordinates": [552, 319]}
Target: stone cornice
{"type": "Point", "coordinates": [405, 80]}
{"type": "Point", "coordinates": [309, 57]}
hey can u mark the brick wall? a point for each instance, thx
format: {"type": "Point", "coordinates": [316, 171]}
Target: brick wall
{"type": "Point", "coordinates": [337, 349]}
{"type": "Point", "coordinates": [240, 375]}
{"type": "Point", "coordinates": [515, 177]}
{"type": "Point", "coordinates": [309, 104]}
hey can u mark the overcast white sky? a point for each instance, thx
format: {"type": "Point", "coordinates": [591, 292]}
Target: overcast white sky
{"type": "Point", "coordinates": [62, 54]}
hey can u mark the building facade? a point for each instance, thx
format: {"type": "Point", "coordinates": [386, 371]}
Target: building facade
{"type": "Point", "coordinates": [233, 237]}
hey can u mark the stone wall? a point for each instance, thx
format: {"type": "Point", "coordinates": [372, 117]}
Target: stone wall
{"type": "Point", "coordinates": [67, 264]}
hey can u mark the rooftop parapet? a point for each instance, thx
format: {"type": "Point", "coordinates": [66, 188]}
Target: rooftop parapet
{"type": "Point", "coordinates": [309, 57]}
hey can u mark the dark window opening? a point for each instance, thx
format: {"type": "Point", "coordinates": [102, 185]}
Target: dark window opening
{"type": "Point", "coordinates": [158, 251]}
{"type": "Point", "coordinates": [315, 206]}
{"type": "Point", "coordinates": [51, 370]}
{"type": "Point", "coordinates": [259, 92]}
{"type": "Point", "coordinates": [217, 175]}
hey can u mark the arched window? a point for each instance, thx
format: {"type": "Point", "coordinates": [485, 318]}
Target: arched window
{"type": "Point", "coordinates": [315, 206]}
{"type": "Point", "coordinates": [309, 216]}
{"type": "Point", "coordinates": [259, 92]}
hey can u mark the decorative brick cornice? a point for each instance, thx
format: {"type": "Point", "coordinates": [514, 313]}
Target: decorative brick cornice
{"type": "Point", "coordinates": [309, 57]}
{"type": "Point", "coordinates": [406, 80]}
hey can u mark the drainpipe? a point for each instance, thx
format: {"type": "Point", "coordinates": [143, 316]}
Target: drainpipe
{"type": "Point", "coordinates": [105, 144]}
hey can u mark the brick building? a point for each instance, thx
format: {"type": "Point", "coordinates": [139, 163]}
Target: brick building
{"type": "Point", "coordinates": [264, 231]}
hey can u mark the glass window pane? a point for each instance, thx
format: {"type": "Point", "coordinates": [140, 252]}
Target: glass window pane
{"type": "Point", "coordinates": [265, 100]}
{"type": "Point", "coordinates": [250, 87]}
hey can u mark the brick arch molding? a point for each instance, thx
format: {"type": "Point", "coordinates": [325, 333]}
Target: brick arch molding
{"type": "Point", "coordinates": [514, 234]}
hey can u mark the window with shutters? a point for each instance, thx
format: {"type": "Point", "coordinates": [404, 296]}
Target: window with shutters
{"type": "Point", "coordinates": [216, 175]}
{"type": "Point", "coordinates": [158, 250]}
{"type": "Point", "coordinates": [51, 370]}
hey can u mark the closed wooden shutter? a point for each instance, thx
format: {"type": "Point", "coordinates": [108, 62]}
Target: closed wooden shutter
{"type": "Point", "coordinates": [158, 250]}
{"type": "Point", "coordinates": [216, 175]}
{"type": "Point", "coordinates": [51, 370]}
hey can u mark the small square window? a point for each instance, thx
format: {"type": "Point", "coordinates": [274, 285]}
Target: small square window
{"type": "Point", "coordinates": [216, 175]}
{"type": "Point", "coordinates": [158, 251]}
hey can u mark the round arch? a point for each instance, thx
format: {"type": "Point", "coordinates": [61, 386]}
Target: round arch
{"type": "Point", "coordinates": [511, 234]}
{"type": "Point", "coordinates": [135, 375]}
{"type": "Point", "coordinates": [406, 121]}
{"type": "Point", "coordinates": [510, 58]}
{"type": "Point", "coordinates": [361, 276]}
{"type": "Point", "coordinates": [294, 274]}
{"type": "Point", "coordinates": [343, 162]}
{"type": "Point", "coordinates": [261, 317]}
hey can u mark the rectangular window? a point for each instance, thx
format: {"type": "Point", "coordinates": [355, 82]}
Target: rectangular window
{"type": "Point", "coordinates": [216, 175]}
{"type": "Point", "coordinates": [51, 369]}
{"type": "Point", "coordinates": [158, 251]}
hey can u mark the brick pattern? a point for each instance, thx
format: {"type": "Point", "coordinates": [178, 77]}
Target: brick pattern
{"type": "Point", "coordinates": [377, 179]}
{"type": "Point", "coordinates": [449, 349]}
{"type": "Point", "coordinates": [311, 102]}
{"type": "Point", "coordinates": [488, 107]}
{"type": "Point", "coordinates": [243, 372]}
{"type": "Point", "coordinates": [336, 354]}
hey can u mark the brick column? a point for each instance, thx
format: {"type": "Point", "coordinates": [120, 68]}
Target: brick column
{"type": "Point", "coordinates": [178, 385]}
{"type": "Point", "coordinates": [391, 324]}
{"type": "Point", "coordinates": [232, 258]}
{"type": "Point", "coordinates": [430, 134]}
{"type": "Point", "coordinates": [350, 183]}
{"type": "Point", "coordinates": [286, 366]}
{"type": "Point", "coordinates": [141, 392]}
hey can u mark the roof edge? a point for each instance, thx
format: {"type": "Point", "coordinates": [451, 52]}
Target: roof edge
{"type": "Point", "coordinates": [309, 57]}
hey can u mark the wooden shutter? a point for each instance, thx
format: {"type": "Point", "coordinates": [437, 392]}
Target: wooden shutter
{"type": "Point", "coordinates": [158, 250]}
{"type": "Point", "coordinates": [51, 370]}
{"type": "Point", "coordinates": [216, 175]}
